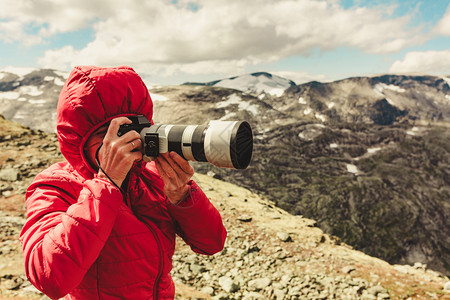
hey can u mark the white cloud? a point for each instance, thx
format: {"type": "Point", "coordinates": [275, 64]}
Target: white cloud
{"type": "Point", "coordinates": [59, 59]}
{"type": "Point", "coordinates": [222, 36]}
{"type": "Point", "coordinates": [423, 62]}
{"type": "Point", "coordinates": [12, 30]}
{"type": "Point", "coordinates": [33, 21]}
{"type": "Point", "coordinates": [443, 26]}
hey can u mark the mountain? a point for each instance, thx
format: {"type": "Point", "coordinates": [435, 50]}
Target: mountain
{"type": "Point", "coordinates": [368, 158]}
{"type": "Point", "coordinates": [269, 253]}
{"type": "Point", "coordinates": [23, 92]}
{"type": "Point", "coordinates": [381, 100]}
{"type": "Point", "coordinates": [259, 83]}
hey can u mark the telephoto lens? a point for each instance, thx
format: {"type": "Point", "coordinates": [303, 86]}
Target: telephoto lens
{"type": "Point", "coordinates": [225, 144]}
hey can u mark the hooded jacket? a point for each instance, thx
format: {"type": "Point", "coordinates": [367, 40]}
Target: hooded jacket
{"type": "Point", "coordinates": [83, 239]}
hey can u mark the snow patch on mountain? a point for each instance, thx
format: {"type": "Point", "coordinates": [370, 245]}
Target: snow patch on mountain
{"type": "Point", "coordinates": [352, 169]}
{"type": "Point", "coordinates": [256, 83]}
{"type": "Point", "coordinates": [373, 150]}
{"type": "Point", "coordinates": [9, 95]}
{"type": "Point", "coordinates": [320, 117]}
{"type": "Point", "coordinates": [64, 75]}
{"type": "Point", "coordinates": [310, 131]}
{"type": "Point", "coordinates": [31, 90]}
{"type": "Point", "coordinates": [56, 80]}
{"type": "Point", "coordinates": [235, 99]}
{"type": "Point", "coordinates": [18, 71]}
{"type": "Point", "coordinates": [380, 87]}
{"type": "Point", "coordinates": [157, 97]}
{"type": "Point", "coordinates": [308, 111]}
{"type": "Point", "coordinates": [414, 131]}
{"type": "Point", "coordinates": [447, 79]}
{"type": "Point", "coordinates": [39, 102]}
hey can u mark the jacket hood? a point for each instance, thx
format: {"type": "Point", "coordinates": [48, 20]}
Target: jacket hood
{"type": "Point", "coordinates": [91, 97]}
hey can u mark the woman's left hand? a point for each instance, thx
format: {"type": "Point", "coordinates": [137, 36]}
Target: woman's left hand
{"type": "Point", "coordinates": [176, 172]}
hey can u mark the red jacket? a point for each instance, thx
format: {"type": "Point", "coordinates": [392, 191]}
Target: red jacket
{"type": "Point", "coordinates": [82, 238]}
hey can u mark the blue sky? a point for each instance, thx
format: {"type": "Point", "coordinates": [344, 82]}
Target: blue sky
{"type": "Point", "coordinates": [174, 41]}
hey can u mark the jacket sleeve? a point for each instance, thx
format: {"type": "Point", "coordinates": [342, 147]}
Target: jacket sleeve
{"type": "Point", "coordinates": [64, 234]}
{"type": "Point", "coordinates": [199, 222]}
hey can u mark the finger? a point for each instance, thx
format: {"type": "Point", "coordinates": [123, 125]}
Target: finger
{"type": "Point", "coordinates": [114, 126]}
{"type": "Point", "coordinates": [180, 165]}
{"type": "Point", "coordinates": [136, 144]}
{"type": "Point", "coordinates": [161, 171]}
{"type": "Point", "coordinates": [166, 166]}
{"type": "Point", "coordinates": [130, 136]}
{"type": "Point", "coordinates": [137, 156]}
{"type": "Point", "coordinates": [168, 169]}
{"type": "Point", "coordinates": [173, 165]}
{"type": "Point", "coordinates": [184, 164]}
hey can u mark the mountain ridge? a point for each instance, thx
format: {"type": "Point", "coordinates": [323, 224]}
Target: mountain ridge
{"type": "Point", "coordinates": [254, 83]}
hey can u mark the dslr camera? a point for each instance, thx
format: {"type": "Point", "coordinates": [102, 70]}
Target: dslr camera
{"type": "Point", "coordinates": [225, 144]}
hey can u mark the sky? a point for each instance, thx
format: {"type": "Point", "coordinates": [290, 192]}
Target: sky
{"type": "Point", "coordinates": [175, 41]}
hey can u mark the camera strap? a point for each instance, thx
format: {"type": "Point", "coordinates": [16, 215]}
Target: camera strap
{"type": "Point", "coordinates": [98, 163]}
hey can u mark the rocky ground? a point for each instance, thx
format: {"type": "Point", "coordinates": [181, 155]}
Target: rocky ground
{"type": "Point", "coordinates": [269, 253]}
{"type": "Point", "coordinates": [384, 190]}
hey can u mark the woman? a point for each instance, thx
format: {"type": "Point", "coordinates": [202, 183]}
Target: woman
{"type": "Point", "coordinates": [104, 227]}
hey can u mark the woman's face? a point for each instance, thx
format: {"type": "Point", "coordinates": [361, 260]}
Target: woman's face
{"type": "Point", "coordinates": [93, 143]}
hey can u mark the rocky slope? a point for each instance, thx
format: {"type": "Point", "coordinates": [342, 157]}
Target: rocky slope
{"type": "Point", "coordinates": [269, 253]}
{"type": "Point", "coordinates": [367, 157]}
{"type": "Point", "coordinates": [383, 189]}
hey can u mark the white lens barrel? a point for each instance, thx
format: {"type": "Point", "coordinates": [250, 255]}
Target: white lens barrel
{"type": "Point", "coordinates": [186, 141]}
{"type": "Point", "coordinates": [217, 143]}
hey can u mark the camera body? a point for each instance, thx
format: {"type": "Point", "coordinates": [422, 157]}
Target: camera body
{"type": "Point", "coordinates": [150, 141]}
{"type": "Point", "coordinates": [226, 144]}
{"type": "Point", "coordinates": [138, 123]}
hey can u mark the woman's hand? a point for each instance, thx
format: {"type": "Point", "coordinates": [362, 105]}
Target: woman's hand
{"type": "Point", "coordinates": [176, 172]}
{"type": "Point", "coordinates": [118, 154]}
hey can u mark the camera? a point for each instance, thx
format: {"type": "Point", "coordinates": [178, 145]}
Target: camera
{"type": "Point", "coordinates": [225, 144]}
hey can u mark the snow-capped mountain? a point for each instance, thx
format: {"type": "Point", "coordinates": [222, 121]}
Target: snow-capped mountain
{"type": "Point", "coordinates": [30, 96]}
{"type": "Point", "coordinates": [381, 100]}
{"type": "Point", "coordinates": [254, 83]}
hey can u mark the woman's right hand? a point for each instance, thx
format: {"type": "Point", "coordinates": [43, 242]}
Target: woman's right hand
{"type": "Point", "coordinates": [118, 154]}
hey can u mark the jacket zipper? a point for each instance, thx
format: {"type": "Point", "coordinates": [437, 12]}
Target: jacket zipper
{"type": "Point", "coordinates": [161, 262]}
{"type": "Point", "coordinates": [161, 258]}
{"type": "Point", "coordinates": [158, 242]}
